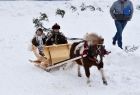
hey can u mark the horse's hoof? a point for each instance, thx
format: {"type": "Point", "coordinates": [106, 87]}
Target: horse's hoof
{"type": "Point", "coordinates": [79, 75]}
{"type": "Point", "coordinates": [89, 85]}
{"type": "Point", "coordinates": [105, 83]}
{"type": "Point", "coordinates": [88, 82]}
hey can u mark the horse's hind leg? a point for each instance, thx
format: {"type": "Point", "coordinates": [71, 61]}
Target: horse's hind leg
{"type": "Point", "coordinates": [79, 71]}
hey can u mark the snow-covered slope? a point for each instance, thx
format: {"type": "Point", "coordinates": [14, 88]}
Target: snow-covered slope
{"type": "Point", "coordinates": [19, 77]}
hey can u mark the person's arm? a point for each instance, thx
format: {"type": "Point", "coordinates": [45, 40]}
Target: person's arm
{"type": "Point", "coordinates": [49, 35]}
{"type": "Point", "coordinates": [112, 9]}
{"type": "Point", "coordinates": [64, 38]}
{"type": "Point", "coordinates": [63, 35]}
{"type": "Point", "coordinates": [132, 10]}
{"type": "Point", "coordinates": [34, 42]}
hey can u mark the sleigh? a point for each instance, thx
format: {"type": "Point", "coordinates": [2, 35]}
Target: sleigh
{"type": "Point", "coordinates": [55, 56]}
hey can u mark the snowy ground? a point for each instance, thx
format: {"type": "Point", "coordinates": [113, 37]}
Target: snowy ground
{"type": "Point", "coordinates": [19, 77]}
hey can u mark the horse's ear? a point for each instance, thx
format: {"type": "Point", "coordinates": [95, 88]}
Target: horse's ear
{"type": "Point", "coordinates": [85, 36]}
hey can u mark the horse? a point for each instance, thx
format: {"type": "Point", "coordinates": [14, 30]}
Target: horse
{"type": "Point", "coordinates": [91, 43]}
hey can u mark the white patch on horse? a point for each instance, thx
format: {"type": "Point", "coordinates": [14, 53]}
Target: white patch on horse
{"type": "Point", "coordinates": [80, 47]}
{"type": "Point", "coordinates": [98, 58]}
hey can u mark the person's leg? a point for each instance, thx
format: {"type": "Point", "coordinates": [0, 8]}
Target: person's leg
{"type": "Point", "coordinates": [40, 49]}
{"type": "Point", "coordinates": [123, 24]}
{"type": "Point", "coordinates": [119, 29]}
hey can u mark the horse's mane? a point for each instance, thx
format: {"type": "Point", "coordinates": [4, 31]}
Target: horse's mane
{"type": "Point", "coordinates": [93, 38]}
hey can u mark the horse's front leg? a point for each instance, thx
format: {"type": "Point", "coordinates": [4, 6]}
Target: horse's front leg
{"type": "Point", "coordinates": [100, 68]}
{"type": "Point", "coordinates": [103, 76]}
{"type": "Point", "coordinates": [87, 71]}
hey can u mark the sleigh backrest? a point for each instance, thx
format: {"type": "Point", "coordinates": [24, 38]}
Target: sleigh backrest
{"type": "Point", "coordinates": [57, 53]}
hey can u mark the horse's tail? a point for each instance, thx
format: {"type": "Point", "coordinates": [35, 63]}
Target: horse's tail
{"type": "Point", "coordinates": [73, 46]}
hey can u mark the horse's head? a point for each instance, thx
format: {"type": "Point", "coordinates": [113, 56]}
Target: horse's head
{"type": "Point", "coordinates": [93, 39]}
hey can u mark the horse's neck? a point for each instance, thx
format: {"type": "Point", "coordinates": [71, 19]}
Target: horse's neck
{"type": "Point", "coordinates": [89, 43]}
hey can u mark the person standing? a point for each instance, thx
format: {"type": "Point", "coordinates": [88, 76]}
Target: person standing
{"type": "Point", "coordinates": [122, 12]}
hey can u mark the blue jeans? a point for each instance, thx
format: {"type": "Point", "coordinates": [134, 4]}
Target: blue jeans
{"type": "Point", "coordinates": [120, 24]}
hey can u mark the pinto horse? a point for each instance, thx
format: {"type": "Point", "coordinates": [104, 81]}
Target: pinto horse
{"type": "Point", "coordinates": [93, 47]}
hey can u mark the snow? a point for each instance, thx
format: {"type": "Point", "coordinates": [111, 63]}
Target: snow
{"type": "Point", "coordinates": [19, 77]}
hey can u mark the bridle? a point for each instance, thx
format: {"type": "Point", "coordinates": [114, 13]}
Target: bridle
{"type": "Point", "coordinates": [99, 48]}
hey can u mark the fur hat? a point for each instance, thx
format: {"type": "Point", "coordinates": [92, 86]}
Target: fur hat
{"type": "Point", "coordinates": [56, 26]}
{"type": "Point", "coordinates": [39, 29]}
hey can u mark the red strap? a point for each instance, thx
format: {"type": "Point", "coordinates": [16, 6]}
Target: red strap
{"type": "Point", "coordinates": [85, 48]}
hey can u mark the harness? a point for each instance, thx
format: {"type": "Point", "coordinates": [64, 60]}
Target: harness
{"type": "Point", "coordinates": [92, 51]}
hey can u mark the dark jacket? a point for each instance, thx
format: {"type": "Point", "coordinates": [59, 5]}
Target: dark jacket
{"type": "Point", "coordinates": [55, 38]}
{"type": "Point", "coordinates": [122, 11]}
{"type": "Point", "coordinates": [36, 43]}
